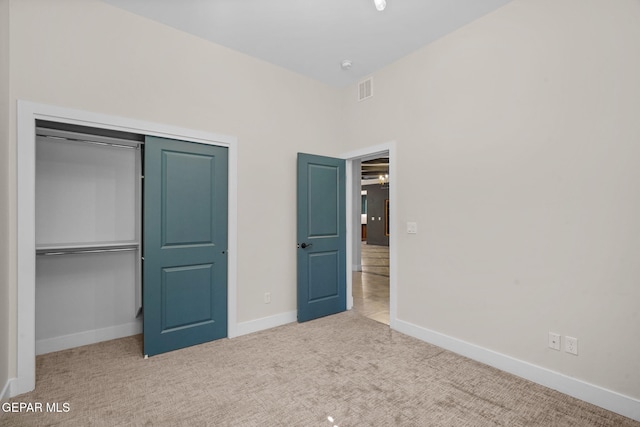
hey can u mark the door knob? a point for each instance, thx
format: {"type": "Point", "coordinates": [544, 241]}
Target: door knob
{"type": "Point", "coordinates": [306, 245]}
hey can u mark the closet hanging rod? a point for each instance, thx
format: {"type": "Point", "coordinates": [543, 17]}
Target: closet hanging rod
{"type": "Point", "coordinates": [89, 251]}
{"type": "Point", "coordinates": [62, 138]}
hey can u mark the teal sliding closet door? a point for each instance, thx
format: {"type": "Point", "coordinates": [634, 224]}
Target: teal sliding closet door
{"type": "Point", "coordinates": [184, 244]}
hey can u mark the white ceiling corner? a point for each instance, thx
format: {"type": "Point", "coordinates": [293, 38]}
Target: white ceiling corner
{"type": "Point", "coordinates": [314, 37]}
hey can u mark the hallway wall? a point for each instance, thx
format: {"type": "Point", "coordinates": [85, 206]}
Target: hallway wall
{"type": "Point", "coordinates": [518, 157]}
{"type": "Point", "coordinates": [376, 197]}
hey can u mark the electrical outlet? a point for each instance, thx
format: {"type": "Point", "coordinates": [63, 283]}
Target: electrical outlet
{"type": "Point", "coordinates": [267, 297]}
{"type": "Point", "coordinates": [412, 228]}
{"type": "Point", "coordinates": [571, 345]}
{"type": "Point", "coordinates": [554, 341]}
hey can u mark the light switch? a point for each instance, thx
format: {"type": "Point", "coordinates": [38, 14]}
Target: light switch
{"type": "Point", "coordinates": [412, 228]}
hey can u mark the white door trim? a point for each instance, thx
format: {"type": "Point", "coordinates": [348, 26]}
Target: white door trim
{"type": "Point", "coordinates": [28, 112]}
{"type": "Point", "coordinates": [367, 152]}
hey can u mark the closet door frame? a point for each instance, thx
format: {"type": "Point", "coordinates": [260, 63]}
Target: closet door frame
{"type": "Point", "coordinates": [28, 113]}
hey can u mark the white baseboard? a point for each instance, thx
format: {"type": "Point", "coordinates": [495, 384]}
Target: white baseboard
{"type": "Point", "coordinates": [266, 323]}
{"type": "Point", "coordinates": [6, 391]}
{"type": "Point", "coordinates": [607, 399]}
{"type": "Point", "coordinates": [88, 337]}
{"type": "Point", "coordinates": [22, 384]}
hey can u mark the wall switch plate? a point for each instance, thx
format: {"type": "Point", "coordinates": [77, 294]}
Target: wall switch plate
{"type": "Point", "coordinates": [267, 297]}
{"type": "Point", "coordinates": [571, 345]}
{"type": "Point", "coordinates": [554, 341]}
{"type": "Point", "coordinates": [412, 228]}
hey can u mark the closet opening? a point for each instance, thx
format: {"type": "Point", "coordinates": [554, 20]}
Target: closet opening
{"type": "Point", "coordinates": [87, 234]}
{"type": "Point", "coordinates": [102, 129]}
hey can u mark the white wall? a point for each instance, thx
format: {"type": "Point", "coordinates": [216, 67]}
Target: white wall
{"type": "Point", "coordinates": [91, 56]}
{"type": "Point", "coordinates": [5, 167]}
{"type": "Point", "coordinates": [524, 129]}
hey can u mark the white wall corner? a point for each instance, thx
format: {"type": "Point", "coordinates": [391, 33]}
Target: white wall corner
{"type": "Point", "coordinates": [604, 398]}
{"type": "Point", "coordinates": [268, 322]}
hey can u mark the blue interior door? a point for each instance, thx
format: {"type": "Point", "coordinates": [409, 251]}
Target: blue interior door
{"type": "Point", "coordinates": [321, 258]}
{"type": "Point", "coordinates": [184, 244]}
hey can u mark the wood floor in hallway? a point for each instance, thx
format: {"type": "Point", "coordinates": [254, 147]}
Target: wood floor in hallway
{"type": "Point", "coordinates": [371, 285]}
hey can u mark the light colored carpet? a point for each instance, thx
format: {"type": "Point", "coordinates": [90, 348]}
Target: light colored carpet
{"type": "Point", "coordinates": [345, 366]}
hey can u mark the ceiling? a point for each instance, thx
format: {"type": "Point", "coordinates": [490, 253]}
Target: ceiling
{"type": "Point", "coordinates": [372, 169]}
{"type": "Point", "coordinates": [314, 37]}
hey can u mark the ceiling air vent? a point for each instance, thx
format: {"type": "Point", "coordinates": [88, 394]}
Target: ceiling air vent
{"type": "Point", "coordinates": [365, 89]}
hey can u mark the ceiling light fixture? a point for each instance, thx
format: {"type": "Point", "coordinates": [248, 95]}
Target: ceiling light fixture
{"type": "Point", "coordinates": [346, 64]}
{"type": "Point", "coordinates": [380, 4]}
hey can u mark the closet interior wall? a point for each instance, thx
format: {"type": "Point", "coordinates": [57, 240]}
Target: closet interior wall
{"type": "Point", "coordinates": [88, 234]}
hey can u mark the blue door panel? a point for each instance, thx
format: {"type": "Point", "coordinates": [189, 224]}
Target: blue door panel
{"type": "Point", "coordinates": [324, 219]}
{"type": "Point", "coordinates": [323, 279]}
{"type": "Point", "coordinates": [187, 181]}
{"type": "Point", "coordinates": [187, 297]}
{"type": "Point", "coordinates": [321, 232]}
{"type": "Point", "coordinates": [184, 244]}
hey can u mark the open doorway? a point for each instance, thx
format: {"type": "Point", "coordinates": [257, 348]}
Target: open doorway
{"type": "Point", "coordinates": [371, 282]}
{"type": "Point", "coordinates": [371, 243]}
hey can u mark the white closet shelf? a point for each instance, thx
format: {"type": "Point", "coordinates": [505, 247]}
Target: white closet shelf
{"type": "Point", "coordinates": [86, 247]}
